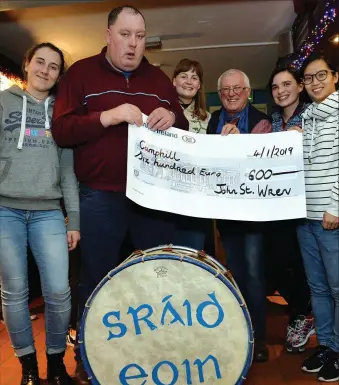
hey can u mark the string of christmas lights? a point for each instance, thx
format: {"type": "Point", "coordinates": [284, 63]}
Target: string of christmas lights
{"type": "Point", "coordinates": [317, 34]}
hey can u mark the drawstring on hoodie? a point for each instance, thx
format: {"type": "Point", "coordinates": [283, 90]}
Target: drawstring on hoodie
{"type": "Point", "coordinates": [312, 142]}
{"type": "Point", "coordinates": [312, 137]}
{"type": "Point", "coordinates": [23, 120]}
{"type": "Point", "coordinates": [47, 125]}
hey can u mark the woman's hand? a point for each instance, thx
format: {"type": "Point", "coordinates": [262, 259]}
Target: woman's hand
{"type": "Point", "coordinates": [73, 237]}
{"type": "Point", "coordinates": [330, 222]}
{"type": "Point", "coordinates": [295, 128]}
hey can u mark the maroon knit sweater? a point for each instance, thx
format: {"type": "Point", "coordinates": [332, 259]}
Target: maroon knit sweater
{"type": "Point", "coordinates": [91, 86]}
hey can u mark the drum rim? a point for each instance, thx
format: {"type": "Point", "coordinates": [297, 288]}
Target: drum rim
{"type": "Point", "coordinates": [186, 259]}
{"type": "Point", "coordinates": [184, 248]}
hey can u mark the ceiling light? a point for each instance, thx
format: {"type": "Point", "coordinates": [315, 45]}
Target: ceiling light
{"type": "Point", "coordinates": [334, 39]}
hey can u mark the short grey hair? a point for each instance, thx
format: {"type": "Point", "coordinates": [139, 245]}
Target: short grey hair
{"type": "Point", "coordinates": [230, 73]}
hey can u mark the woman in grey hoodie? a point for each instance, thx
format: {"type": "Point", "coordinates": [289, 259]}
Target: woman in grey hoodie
{"type": "Point", "coordinates": [319, 234]}
{"type": "Point", "coordinates": [34, 176]}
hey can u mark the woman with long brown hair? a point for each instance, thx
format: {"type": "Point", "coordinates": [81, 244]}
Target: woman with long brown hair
{"type": "Point", "coordinates": [188, 82]}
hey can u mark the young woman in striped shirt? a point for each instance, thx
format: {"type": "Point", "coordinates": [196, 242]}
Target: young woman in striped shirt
{"type": "Point", "coordinates": [319, 234]}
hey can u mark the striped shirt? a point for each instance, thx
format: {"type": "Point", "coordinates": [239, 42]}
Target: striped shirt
{"type": "Point", "coordinates": [321, 157]}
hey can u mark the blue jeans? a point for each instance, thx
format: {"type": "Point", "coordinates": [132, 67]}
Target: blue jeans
{"type": "Point", "coordinates": [105, 218]}
{"type": "Point", "coordinates": [320, 252]}
{"type": "Point", "coordinates": [243, 243]}
{"type": "Point", "coordinates": [46, 233]}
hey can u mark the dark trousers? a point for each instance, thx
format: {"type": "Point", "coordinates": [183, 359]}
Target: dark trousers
{"type": "Point", "coordinates": [74, 277]}
{"type": "Point", "coordinates": [191, 232]}
{"type": "Point", "coordinates": [105, 218]}
{"type": "Point", "coordinates": [285, 269]}
{"type": "Point", "coordinates": [243, 243]}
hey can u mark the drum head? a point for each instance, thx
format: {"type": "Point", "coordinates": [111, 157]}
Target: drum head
{"type": "Point", "coordinates": [166, 320]}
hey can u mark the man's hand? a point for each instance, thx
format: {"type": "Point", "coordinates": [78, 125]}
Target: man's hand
{"type": "Point", "coordinates": [160, 119]}
{"type": "Point", "coordinates": [330, 222]}
{"type": "Point", "coordinates": [124, 113]}
{"type": "Point", "coordinates": [295, 128]}
{"type": "Point", "coordinates": [230, 129]}
{"type": "Point", "coordinates": [73, 237]}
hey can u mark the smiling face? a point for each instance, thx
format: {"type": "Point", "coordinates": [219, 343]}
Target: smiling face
{"type": "Point", "coordinates": [43, 70]}
{"type": "Point", "coordinates": [234, 93]}
{"type": "Point", "coordinates": [319, 90]}
{"type": "Point", "coordinates": [285, 89]}
{"type": "Point", "coordinates": [126, 41]}
{"type": "Point", "coordinates": [187, 84]}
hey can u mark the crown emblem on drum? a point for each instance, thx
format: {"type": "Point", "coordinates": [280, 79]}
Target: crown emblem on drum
{"type": "Point", "coordinates": [161, 271]}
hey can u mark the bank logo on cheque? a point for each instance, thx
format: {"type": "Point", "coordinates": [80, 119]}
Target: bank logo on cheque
{"type": "Point", "coordinates": [166, 133]}
{"type": "Point", "coordinates": [188, 139]}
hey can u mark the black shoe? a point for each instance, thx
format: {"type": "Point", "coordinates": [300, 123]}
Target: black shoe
{"type": "Point", "coordinates": [30, 372]}
{"type": "Point", "coordinates": [330, 371]}
{"type": "Point", "coordinates": [316, 361]}
{"type": "Point", "coordinates": [56, 370]}
{"type": "Point", "coordinates": [261, 353]}
{"type": "Point", "coordinates": [80, 376]}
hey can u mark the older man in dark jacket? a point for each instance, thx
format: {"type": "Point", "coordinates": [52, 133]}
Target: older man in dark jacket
{"type": "Point", "coordinates": [243, 241]}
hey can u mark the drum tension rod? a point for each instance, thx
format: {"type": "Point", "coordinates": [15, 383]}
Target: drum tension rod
{"type": "Point", "coordinates": [202, 253]}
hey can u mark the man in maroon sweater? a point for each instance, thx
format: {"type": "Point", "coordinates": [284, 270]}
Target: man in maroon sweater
{"type": "Point", "coordinates": [96, 100]}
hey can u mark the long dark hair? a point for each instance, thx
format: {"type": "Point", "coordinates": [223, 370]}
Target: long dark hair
{"type": "Point", "coordinates": [31, 52]}
{"type": "Point", "coordinates": [200, 101]}
{"type": "Point", "coordinates": [296, 75]}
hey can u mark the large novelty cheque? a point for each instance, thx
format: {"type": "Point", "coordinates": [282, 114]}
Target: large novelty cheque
{"type": "Point", "coordinates": [240, 177]}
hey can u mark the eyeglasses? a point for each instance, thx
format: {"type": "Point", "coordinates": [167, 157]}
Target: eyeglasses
{"type": "Point", "coordinates": [320, 75]}
{"type": "Point", "coordinates": [237, 90]}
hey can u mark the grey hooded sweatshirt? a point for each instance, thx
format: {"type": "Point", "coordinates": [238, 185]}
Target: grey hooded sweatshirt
{"type": "Point", "coordinates": [34, 173]}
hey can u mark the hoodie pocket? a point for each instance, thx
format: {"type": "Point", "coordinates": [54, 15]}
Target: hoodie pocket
{"type": "Point", "coordinates": [29, 180]}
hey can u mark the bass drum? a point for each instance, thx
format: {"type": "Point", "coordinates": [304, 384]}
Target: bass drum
{"type": "Point", "coordinates": [168, 315]}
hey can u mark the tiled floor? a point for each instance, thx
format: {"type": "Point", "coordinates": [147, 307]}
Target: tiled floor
{"type": "Point", "coordinates": [282, 369]}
